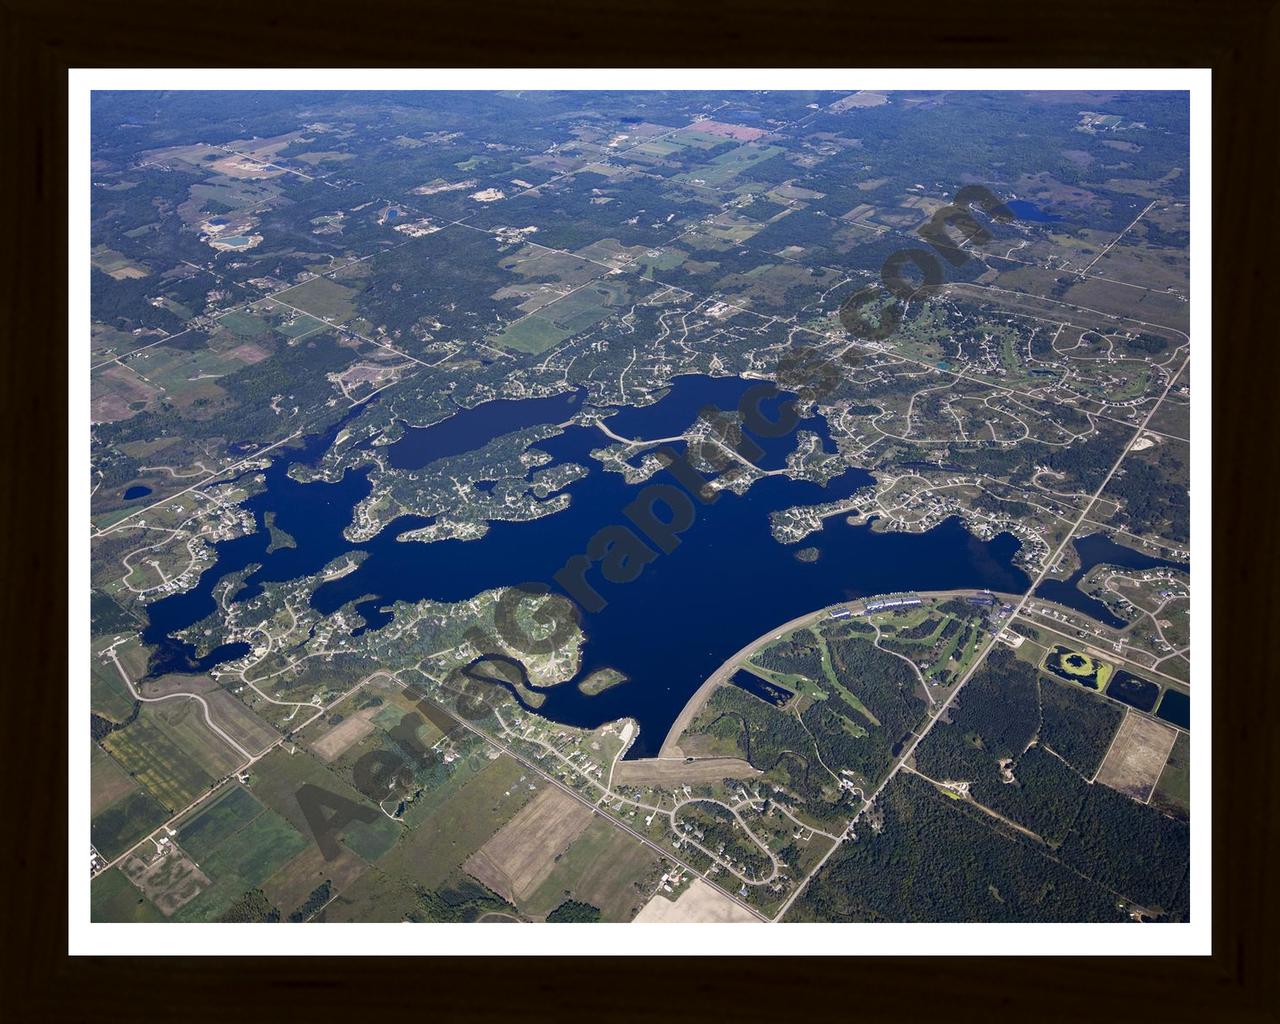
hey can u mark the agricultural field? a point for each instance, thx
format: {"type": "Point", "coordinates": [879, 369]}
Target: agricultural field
{"type": "Point", "coordinates": [277, 779]}
{"type": "Point", "coordinates": [124, 822]}
{"type": "Point", "coordinates": [602, 867]}
{"type": "Point", "coordinates": [700, 903]}
{"type": "Point", "coordinates": [171, 753]}
{"type": "Point", "coordinates": [461, 826]}
{"type": "Point", "coordinates": [523, 852]}
{"type": "Point", "coordinates": [1173, 792]}
{"type": "Point", "coordinates": [1137, 757]}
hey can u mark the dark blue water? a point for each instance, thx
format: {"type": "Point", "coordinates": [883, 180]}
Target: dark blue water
{"type": "Point", "coordinates": [725, 583]}
{"type": "Point", "coordinates": [471, 429]}
{"type": "Point", "coordinates": [392, 214]}
{"type": "Point", "coordinates": [1099, 549]}
{"type": "Point", "coordinates": [766, 691]}
{"type": "Point", "coordinates": [1133, 690]}
{"type": "Point", "coordinates": [136, 491]}
{"type": "Point", "coordinates": [1175, 708]}
{"type": "Point", "coordinates": [1024, 210]}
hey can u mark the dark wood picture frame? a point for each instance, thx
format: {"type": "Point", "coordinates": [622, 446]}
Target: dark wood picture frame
{"type": "Point", "coordinates": [1238, 39]}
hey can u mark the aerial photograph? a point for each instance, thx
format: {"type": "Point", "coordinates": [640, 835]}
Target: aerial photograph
{"type": "Point", "coordinates": [638, 507]}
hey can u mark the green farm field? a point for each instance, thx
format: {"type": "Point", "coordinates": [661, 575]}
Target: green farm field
{"type": "Point", "coordinates": [461, 825]}
{"type": "Point", "coordinates": [171, 751]}
{"type": "Point", "coordinates": [604, 867]}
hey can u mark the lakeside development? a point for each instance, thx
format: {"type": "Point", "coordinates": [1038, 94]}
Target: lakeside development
{"type": "Point", "coordinates": [1047, 617]}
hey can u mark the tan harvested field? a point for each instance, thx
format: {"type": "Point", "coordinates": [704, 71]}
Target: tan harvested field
{"type": "Point", "coordinates": [248, 353]}
{"type": "Point", "coordinates": [128, 273]}
{"type": "Point", "coordinates": [863, 98]}
{"type": "Point", "coordinates": [738, 132]}
{"type": "Point", "coordinates": [605, 867]}
{"type": "Point", "coordinates": [117, 266]}
{"type": "Point", "coordinates": [341, 737]}
{"type": "Point", "coordinates": [176, 683]}
{"type": "Point", "coordinates": [268, 148]}
{"type": "Point", "coordinates": [523, 852]}
{"type": "Point", "coordinates": [701, 903]}
{"type": "Point", "coordinates": [289, 887]}
{"type": "Point", "coordinates": [660, 771]}
{"type": "Point", "coordinates": [115, 389]}
{"type": "Point", "coordinates": [241, 723]}
{"type": "Point", "coordinates": [1137, 756]}
{"type": "Point", "coordinates": [1149, 266]}
{"type": "Point", "coordinates": [109, 782]}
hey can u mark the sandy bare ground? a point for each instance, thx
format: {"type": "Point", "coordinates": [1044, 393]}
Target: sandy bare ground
{"type": "Point", "coordinates": [249, 353]}
{"type": "Point", "coordinates": [523, 852]}
{"type": "Point", "coordinates": [114, 390]}
{"type": "Point", "coordinates": [1137, 756]}
{"type": "Point", "coordinates": [656, 771]}
{"type": "Point", "coordinates": [128, 273]}
{"type": "Point", "coordinates": [737, 132]}
{"type": "Point", "coordinates": [701, 903]}
{"type": "Point", "coordinates": [245, 167]}
{"type": "Point", "coordinates": [344, 735]}
{"type": "Point", "coordinates": [860, 99]}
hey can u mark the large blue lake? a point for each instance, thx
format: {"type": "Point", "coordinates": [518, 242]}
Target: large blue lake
{"type": "Point", "coordinates": [727, 582]}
